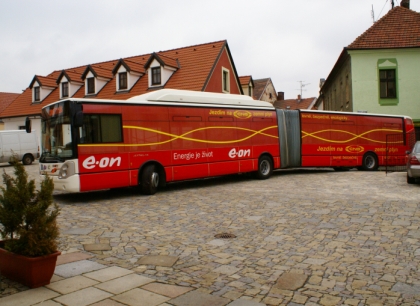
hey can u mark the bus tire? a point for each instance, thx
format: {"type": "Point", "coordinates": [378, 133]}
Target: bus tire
{"type": "Point", "coordinates": [265, 168]}
{"type": "Point", "coordinates": [370, 162]}
{"type": "Point", "coordinates": [27, 159]}
{"type": "Point", "coordinates": [149, 180]}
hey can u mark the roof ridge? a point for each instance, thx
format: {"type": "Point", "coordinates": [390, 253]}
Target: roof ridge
{"type": "Point", "coordinates": [139, 55]}
{"type": "Point", "coordinates": [187, 47]}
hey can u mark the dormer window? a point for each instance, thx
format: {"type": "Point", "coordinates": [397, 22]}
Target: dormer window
{"type": "Point", "coordinates": [122, 81]}
{"type": "Point", "coordinates": [156, 76]}
{"type": "Point", "coordinates": [90, 85]}
{"type": "Point", "coordinates": [69, 83]}
{"type": "Point", "coordinates": [37, 96]}
{"type": "Point", "coordinates": [65, 89]}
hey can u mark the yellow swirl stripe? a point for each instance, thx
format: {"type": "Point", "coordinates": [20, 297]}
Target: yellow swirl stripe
{"type": "Point", "coordinates": [184, 136]}
{"type": "Point", "coordinates": [313, 135]}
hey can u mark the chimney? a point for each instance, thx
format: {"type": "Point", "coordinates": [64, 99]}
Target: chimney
{"type": "Point", "coordinates": [298, 98]}
{"type": "Point", "coordinates": [405, 3]}
{"type": "Point", "coordinates": [280, 96]}
{"type": "Point", "coordinates": [321, 82]}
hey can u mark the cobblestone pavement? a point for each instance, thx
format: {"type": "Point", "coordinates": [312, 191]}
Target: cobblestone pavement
{"type": "Point", "coordinates": [303, 237]}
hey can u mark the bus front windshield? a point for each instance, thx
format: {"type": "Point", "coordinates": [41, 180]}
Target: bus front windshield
{"type": "Point", "coordinates": [56, 139]}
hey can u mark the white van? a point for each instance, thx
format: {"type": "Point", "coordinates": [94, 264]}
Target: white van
{"type": "Point", "coordinates": [24, 145]}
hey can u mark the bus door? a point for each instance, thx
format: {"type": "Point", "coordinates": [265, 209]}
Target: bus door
{"type": "Point", "coordinates": [290, 139]}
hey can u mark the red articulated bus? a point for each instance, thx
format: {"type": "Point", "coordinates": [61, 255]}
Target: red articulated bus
{"type": "Point", "coordinates": [163, 136]}
{"type": "Point", "coordinates": [175, 135]}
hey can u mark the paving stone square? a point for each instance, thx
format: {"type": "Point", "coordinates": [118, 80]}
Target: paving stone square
{"type": "Point", "coordinates": [83, 297]}
{"type": "Point", "coordinates": [142, 297]}
{"type": "Point", "coordinates": [77, 268]}
{"type": "Point", "coordinates": [197, 298]}
{"type": "Point", "coordinates": [353, 237]}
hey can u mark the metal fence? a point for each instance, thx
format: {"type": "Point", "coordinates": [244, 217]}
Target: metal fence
{"type": "Point", "coordinates": [397, 163]}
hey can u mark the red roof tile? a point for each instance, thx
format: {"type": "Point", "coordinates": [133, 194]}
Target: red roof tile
{"type": "Point", "coordinates": [167, 61]}
{"type": "Point", "coordinates": [399, 28]}
{"type": "Point", "coordinates": [44, 81]}
{"type": "Point", "coordinates": [295, 103]}
{"type": "Point", "coordinates": [100, 70]}
{"type": "Point", "coordinates": [6, 98]}
{"type": "Point", "coordinates": [244, 80]}
{"type": "Point", "coordinates": [71, 75]}
{"type": "Point", "coordinates": [130, 66]}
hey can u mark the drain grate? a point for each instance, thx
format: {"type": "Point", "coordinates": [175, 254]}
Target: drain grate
{"type": "Point", "coordinates": [224, 236]}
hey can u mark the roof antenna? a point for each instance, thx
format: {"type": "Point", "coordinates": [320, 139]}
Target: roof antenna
{"type": "Point", "coordinates": [372, 13]}
{"type": "Point", "coordinates": [392, 4]}
{"type": "Point", "coordinates": [301, 88]}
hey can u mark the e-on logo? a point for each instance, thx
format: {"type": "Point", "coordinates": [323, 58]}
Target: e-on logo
{"type": "Point", "coordinates": [240, 153]}
{"type": "Point", "coordinates": [91, 162]}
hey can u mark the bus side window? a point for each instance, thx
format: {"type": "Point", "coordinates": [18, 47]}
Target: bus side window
{"type": "Point", "coordinates": [101, 129]}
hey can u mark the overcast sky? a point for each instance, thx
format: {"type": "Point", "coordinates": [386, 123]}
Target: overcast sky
{"type": "Point", "coordinates": [288, 41]}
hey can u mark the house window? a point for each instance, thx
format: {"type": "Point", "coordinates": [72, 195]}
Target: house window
{"type": "Point", "coordinates": [156, 76]}
{"type": "Point", "coordinates": [388, 81]}
{"type": "Point", "coordinates": [225, 80]}
{"type": "Point", "coordinates": [250, 91]}
{"type": "Point", "coordinates": [90, 85]}
{"type": "Point", "coordinates": [387, 84]}
{"type": "Point", "coordinates": [122, 80]}
{"type": "Point", "coordinates": [37, 96]}
{"type": "Point", "coordinates": [65, 89]}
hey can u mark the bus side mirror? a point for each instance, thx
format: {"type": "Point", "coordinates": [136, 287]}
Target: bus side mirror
{"type": "Point", "coordinates": [78, 119]}
{"type": "Point", "coordinates": [28, 125]}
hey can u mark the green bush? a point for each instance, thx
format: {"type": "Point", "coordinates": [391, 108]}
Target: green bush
{"type": "Point", "coordinates": [27, 217]}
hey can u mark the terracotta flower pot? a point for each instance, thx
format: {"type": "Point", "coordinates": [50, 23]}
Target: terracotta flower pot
{"type": "Point", "coordinates": [30, 271]}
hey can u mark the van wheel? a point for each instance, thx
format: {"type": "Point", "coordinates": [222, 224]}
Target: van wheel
{"type": "Point", "coordinates": [370, 162]}
{"type": "Point", "coordinates": [149, 180]}
{"type": "Point", "coordinates": [265, 168]}
{"type": "Point", "coordinates": [27, 159]}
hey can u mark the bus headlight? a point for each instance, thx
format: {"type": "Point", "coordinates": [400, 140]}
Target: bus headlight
{"type": "Point", "coordinates": [66, 170]}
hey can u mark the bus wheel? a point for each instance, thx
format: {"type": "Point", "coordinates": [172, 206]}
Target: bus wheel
{"type": "Point", "coordinates": [27, 159]}
{"type": "Point", "coordinates": [149, 180]}
{"type": "Point", "coordinates": [370, 162]}
{"type": "Point", "coordinates": [265, 168]}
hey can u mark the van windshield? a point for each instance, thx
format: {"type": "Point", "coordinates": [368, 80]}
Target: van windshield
{"type": "Point", "coordinates": [56, 138]}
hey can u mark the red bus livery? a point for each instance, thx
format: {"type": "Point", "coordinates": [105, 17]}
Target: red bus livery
{"type": "Point", "coordinates": [174, 135]}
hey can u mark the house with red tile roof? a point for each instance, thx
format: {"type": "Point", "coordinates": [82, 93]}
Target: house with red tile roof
{"type": "Point", "coordinates": [5, 99]}
{"type": "Point", "coordinates": [207, 67]}
{"type": "Point", "coordinates": [379, 71]}
{"type": "Point", "coordinates": [264, 90]}
{"type": "Point", "coordinates": [247, 84]}
{"type": "Point", "coordinates": [298, 103]}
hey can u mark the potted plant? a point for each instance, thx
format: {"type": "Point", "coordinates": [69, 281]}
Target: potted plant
{"type": "Point", "coordinates": [28, 252]}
